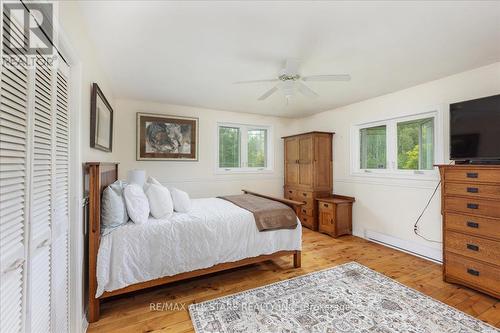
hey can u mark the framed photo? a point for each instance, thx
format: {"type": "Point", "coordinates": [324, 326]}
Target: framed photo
{"type": "Point", "coordinates": [167, 138]}
{"type": "Point", "coordinates": [101, 121]}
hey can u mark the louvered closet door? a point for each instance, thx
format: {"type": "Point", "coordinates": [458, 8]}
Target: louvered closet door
{"type": "Point", "coordinates": [41, 203]}
{"type": "Point", "coordinates": [14, 168]}
{"type": "Point", "coordinates": [60, 221]}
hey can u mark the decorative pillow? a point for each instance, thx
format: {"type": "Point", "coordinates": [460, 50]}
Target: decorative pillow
{"type": "Point", "coordinates": [182, 203]}
{"type": "Point", "coordinates": [137, 203]}
{"type": "Point", "coordinates": [113, 209]}
{"type": "Point", "coordinates": [160, 201]}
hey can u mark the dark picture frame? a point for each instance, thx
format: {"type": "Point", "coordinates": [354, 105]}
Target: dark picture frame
{"type": "Point", "coordinates": [101, 121]}
{"type": "Point", "coordinates": [166, 138]}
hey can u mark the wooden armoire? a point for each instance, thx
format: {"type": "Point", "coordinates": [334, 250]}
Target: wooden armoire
{"type": "Point", "coordinates": [308, 172]}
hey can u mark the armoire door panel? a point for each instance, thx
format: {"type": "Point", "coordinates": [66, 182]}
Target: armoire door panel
{"type": "Point", "coordinates": [322, 162]}
{"type": "Point", "coordinates": [291, 161]}
{"type": "Point", "coordinates": [305, 161]}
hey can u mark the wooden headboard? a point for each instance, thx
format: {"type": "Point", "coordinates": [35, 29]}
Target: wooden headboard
{"type": "Point", "coordinates": [98, 176]}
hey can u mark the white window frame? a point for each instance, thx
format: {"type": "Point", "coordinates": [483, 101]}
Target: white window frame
{"type": "Point", "coordinates": [244, 128]}
{"type": "Point", "coordinates": [392, 170]}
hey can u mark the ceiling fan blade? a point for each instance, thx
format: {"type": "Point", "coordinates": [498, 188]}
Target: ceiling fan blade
{"type": "Point", "coordinates": [335, 77]}
{"type": "Point", "coordinates": [291, 66]}
{"type": "Point", "coordinates": [306, 90]}
{"type": "Point", "coordinates": [255, 81]}
{"type": "Point", "coordinates": [268, 93]}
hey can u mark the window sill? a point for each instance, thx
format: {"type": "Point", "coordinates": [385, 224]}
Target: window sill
{"type": "Point", "coordinates": [428, 175]}
{"type": "Point", "coordinates": [230, 171]}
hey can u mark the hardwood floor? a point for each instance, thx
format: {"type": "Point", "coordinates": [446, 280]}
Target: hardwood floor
{"type": "Point", "coordinates": [164, 309]}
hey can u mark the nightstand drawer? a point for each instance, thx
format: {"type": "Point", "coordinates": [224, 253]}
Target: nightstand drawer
{"type": "Point", "coordinates": [473, 206]}
{"type": "Point", "coordinates": [473, 190]}
{"type": "Point", "coordinates": [472, 225]}
{"type": "Point", "coordinates": [472, 175]}
{"type": "Point", "coordinates": [473, 247]}
{"type": "Point", "coordinates": [477, 274]}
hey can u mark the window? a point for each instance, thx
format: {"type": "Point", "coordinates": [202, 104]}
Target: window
{"type": "Point", "coordinates": [373, 147]}
{"type": "Point", "coordinates": [405, 145]}
{"type": "Point", "coordinates": [243, 148]}
{"type": "Point", "coordinates": [416, 144]}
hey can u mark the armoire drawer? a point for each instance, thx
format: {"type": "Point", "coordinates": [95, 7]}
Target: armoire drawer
{"type": "Point", "coordinates": [473, 190]}
{"type": "Point", "coordinates": [473, 247]}
{"type": "Point", "coordinates": [473, 206]}
{"type": "Point", "coordinates": [477, 274]}
{"type": "Point", "coordinates": [290, 194]}
{"type": "Point", "coordinates": [472, 175]}
{"type": "Point", "coordinates": [305, 210]}
{"type": "Point", "coordinates": [473, 225]}
{"type": "Point", "coordinates": [304, 195]}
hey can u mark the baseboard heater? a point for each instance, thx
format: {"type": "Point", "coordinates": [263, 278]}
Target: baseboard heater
{"type": "Point", "coordinates": [419, 250]}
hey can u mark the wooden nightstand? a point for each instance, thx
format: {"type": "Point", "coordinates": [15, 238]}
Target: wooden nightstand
{"type": "Point", "coordinates": [335, 215]}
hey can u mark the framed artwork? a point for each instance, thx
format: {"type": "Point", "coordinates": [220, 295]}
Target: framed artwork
{"type": "Point", "coordinates": [167, 138]}
{"type": "Point", "coordinates": [101, 121]}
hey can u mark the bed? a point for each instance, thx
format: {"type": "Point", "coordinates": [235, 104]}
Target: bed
{"type": "Point", "coordinates": [215, 235]}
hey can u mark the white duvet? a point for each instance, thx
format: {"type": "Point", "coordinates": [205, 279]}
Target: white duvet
{"type": "Point", "coordinates": [214, 231]}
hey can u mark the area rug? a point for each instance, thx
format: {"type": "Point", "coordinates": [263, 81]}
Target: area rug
{"type": "Point", "coordinates": [346, 298]}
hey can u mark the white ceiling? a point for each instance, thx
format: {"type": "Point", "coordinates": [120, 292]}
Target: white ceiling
{"type": "Point", "coordinates": [189, 53]}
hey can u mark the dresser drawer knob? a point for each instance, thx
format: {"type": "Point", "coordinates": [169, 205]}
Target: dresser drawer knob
{"type": "Point", "coordinates": [471, 224]}
{"type": "Point", "coordinates": [304, 194]}
{"type": "Point", "coordinates": [472, 190]}
{"type": "Point", "coordinates": [325, 205]}
{"type": "Point", "coordinates": [472, 206]}
{"type": "Point", "coordinates": [472, 175]}
{"type": "Point", "coordinates": [472, 272]}
{"type": "Point", "coordinates": [473, 247]}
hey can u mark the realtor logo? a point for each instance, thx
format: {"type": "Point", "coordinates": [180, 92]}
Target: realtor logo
{"type": "Point", "coordinates": [27, 32]}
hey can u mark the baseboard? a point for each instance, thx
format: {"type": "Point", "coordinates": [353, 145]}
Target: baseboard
{"type": "Point", "coordinates": [419, 250]}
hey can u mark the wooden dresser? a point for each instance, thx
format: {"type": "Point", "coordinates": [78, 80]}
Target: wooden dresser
{"type": "Point", "coordinates": [308, 172]}
{"type": "Point", "coordinates": [471, 226]}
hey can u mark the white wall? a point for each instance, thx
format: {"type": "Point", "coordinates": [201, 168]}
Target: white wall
{"type": "Point", "coordinates": [85, 70]}
{"type": "Point", "coordinates": [198, 178]}
{"type": "Point", "coordinates": [391, 206]}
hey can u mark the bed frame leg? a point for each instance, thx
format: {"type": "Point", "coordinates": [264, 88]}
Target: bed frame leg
{"type": "Point", "coordinates": [297, 256]}
{"type": "Point", "coordinates": [94, 309]}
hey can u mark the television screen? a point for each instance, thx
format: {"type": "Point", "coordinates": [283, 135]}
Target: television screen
{"type": "Point", "coordinates": [475, 129]}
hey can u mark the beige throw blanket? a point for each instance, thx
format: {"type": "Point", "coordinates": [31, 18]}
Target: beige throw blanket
{"type": "Point", "coordinates": [268, 214]}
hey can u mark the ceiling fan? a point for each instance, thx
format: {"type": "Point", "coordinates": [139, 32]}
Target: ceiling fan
{"type": "Point", "coordinates": [289, 80]}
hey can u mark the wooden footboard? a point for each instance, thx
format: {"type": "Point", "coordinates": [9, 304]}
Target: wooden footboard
{"type": "Point", "coordinates": [100, 175]}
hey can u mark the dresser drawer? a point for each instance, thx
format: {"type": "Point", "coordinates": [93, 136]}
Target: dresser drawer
{"type": "Point", "coordinates": [472, 175]}
{"type": "Point", "coordinates": [473, 247]}
{"type": "Point", "coordinates": [473, 206]}
{"type": "Point", "coordinates": [476, 274]}
{"type": "Point", "coordinates": [473, 190]}
{"type": "Point", "coordinates": [472, 225]}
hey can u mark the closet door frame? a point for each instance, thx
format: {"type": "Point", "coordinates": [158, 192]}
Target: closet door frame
{"type": "Point", "coordinates": [77, 228]}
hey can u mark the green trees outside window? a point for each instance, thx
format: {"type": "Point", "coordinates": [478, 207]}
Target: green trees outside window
{"type": "Point", "coordinates": [373, 147]}
{"type": "Point", "coordinates": [416, 144]}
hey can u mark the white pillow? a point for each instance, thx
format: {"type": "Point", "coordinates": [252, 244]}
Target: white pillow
{"type": "Point", "coordinates": [182, 203]}
{"type": "Point", "coordinates": [150, 181]}
{"type": "Point", "coordinates": [160, 201]}
{"type": "Point", "coordinates": [113, 209]}
{"type": "Point", "coordinates": [137, 203]}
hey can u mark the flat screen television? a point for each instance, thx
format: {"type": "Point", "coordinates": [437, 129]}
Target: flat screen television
{"type": "Point", "coordinates": [475, 130]}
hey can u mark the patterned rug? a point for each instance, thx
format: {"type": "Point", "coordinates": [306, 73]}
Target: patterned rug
{"type": "Point", "coordinates": [346, 298]}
